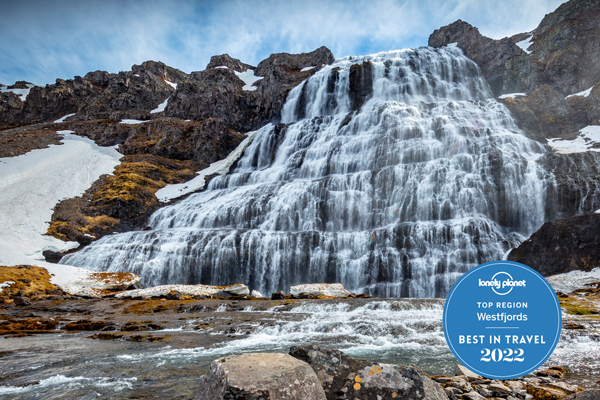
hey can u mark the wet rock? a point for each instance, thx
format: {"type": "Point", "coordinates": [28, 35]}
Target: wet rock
{"type": "Point", "coordinates": [87, 325]}
{"type": "Point", "coordinates": [270, 376]}
{"type": "Point", "coordinates": [585, 395]}
{"type": "Point", "coordinates": [562, 246]}
{"type": "Point", "coordinates": [344, 377]}
{"type": "Point", "coordinates": [278, 296]}
{"type": "Point", "coordinates": [361, 84]}
{"type": "Point", "coordinates": [256, 293]}
{"type": "Point", "coordinates": [554, 372]}
{"type": "Point", "coordinates": [321, 289]}
{"type": "Point", "coordinates": [173, 295]}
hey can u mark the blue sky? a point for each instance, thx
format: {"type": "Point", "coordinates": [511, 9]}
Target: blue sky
{"type": "Point", "coordinates": [44, 40]}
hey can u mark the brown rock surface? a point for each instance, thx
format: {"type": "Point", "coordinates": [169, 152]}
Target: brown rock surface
{"type": "Point", "coordinates": [29, 281]}
{"type": "Point", "coordinates": [17, 143]}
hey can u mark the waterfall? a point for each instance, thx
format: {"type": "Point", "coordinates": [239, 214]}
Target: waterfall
{"type": "Point", "coordinates": [396, 193]}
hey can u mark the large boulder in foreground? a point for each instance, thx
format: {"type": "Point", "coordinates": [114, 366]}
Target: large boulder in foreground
{"type": "Point", "coordinates": [271, 376]}
{"type": "Point", "coordinates": [321, 289]}
{"type": "Point", "coordinates": [561, 246]}
{"type": "Point", "coordinates": [347, 378]}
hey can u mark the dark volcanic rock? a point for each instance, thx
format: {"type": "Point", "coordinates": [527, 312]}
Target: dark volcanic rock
{"type": "Point", "coordinates": [281, 73]}
{"type": "Point", "coordinates": [218, 92]}
{"type": "Point", "coordinates": [347, 378]}
{"type": "Point", "coordinates": [225, 60]}
{"type": "Point", "coordinates": [52, 256]}
{"type": "Point", "coordinates": [562, 246]}
{"type": "Point", "coordinates": [270, 376]}
{"type": "Point", "coordinates": [19, 85]}
{"type": "Point", "coordinates": [361, 83]}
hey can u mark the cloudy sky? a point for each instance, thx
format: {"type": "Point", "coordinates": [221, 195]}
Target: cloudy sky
{"type": "Point", "coordinates": [47, 39]}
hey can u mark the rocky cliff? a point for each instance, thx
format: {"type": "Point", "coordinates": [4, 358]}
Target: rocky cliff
{"type": "Point", "coordinates": [556, 70]}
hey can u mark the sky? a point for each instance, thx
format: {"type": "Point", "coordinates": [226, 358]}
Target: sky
{"type": "Point", "coordinates": [42, 40]}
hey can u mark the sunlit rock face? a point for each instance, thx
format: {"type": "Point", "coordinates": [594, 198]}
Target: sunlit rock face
{"type": "Point", "coordinates": [392, 174]}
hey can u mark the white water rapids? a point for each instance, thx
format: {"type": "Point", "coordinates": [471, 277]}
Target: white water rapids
{"type": "Point", "coordinates": [429, 178]}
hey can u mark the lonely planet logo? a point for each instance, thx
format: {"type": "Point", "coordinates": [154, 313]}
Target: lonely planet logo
{"type": "Point", "coordinates": [502, 283]}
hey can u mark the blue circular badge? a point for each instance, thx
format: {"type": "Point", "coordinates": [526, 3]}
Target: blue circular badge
{"type": "Point", "coordinates": [502, 320]}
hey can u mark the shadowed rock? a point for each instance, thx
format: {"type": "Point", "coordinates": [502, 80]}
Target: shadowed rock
{"type": "Point", "coordinates": [346, 378]}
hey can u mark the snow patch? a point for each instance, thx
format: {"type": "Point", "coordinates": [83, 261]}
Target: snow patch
{"type": "Point", "coordinates": [307, 69]}
{"type": "Point", "coordinates": [222, 67]}
{"type": "Point", "coordinates": [512, 95]}
{"type": "Point", "coordinates": [573, 280]}
{"type": "Point", "coordinates": [588, 137]}
{"type": "Point", "coordinates": [136, 75]}
{"type": "Point", "coordinates": [525, 44]}
{"type": "Point", "coordinates": [585, 93]}
{"type": "Point", "coordinates": [172, 84]}
{"type": "Point", "coordinates": [249, 78]}
{"type": "Point", "coordinates": [32, 183]}
{"type": "Point", "coordinates": [132, 121]}
{"type": "Point", "coordinates": [62, 119]}
{"type": "Point", "coordinates": [22, 93]}
{"type": "Point", "coordinates": [161, 107]}
{"type": "Point", "coordinates": [221, 167]}
{"type": "Point", "coordinates": [455, 44]}
{"type": "Point", "coordinates": [185, 290]}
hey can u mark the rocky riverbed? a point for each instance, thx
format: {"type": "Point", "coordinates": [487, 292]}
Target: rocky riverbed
{"type": "Point", "coordinates": [158, 348]}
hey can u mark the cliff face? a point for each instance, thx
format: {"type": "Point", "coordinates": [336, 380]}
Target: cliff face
{"type": "Point", "coordinates": [562, 52]}
{"type": "Point", "coordinates": [560, 58]}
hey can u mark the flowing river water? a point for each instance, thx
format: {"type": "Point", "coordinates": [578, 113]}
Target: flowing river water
{"type": "Point", "coordinates": [59, 366]}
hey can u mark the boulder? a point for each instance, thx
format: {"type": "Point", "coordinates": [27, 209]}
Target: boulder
{"type": "Point", "coordinates": [321, 289]}
{"type": "Point", "coordinates": [256, 293]}
{"type": "Point", "coordinates": [585, 395]}
{"type": "Point", "coordinates": [345, 377]}
{"type": "Point", "coordinates": [270, 376]}
{"type": "Point", "coordinates": [21, 301]}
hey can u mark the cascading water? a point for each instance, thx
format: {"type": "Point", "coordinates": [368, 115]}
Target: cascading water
{"type": "Point", "coordinates": [396, 197]}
